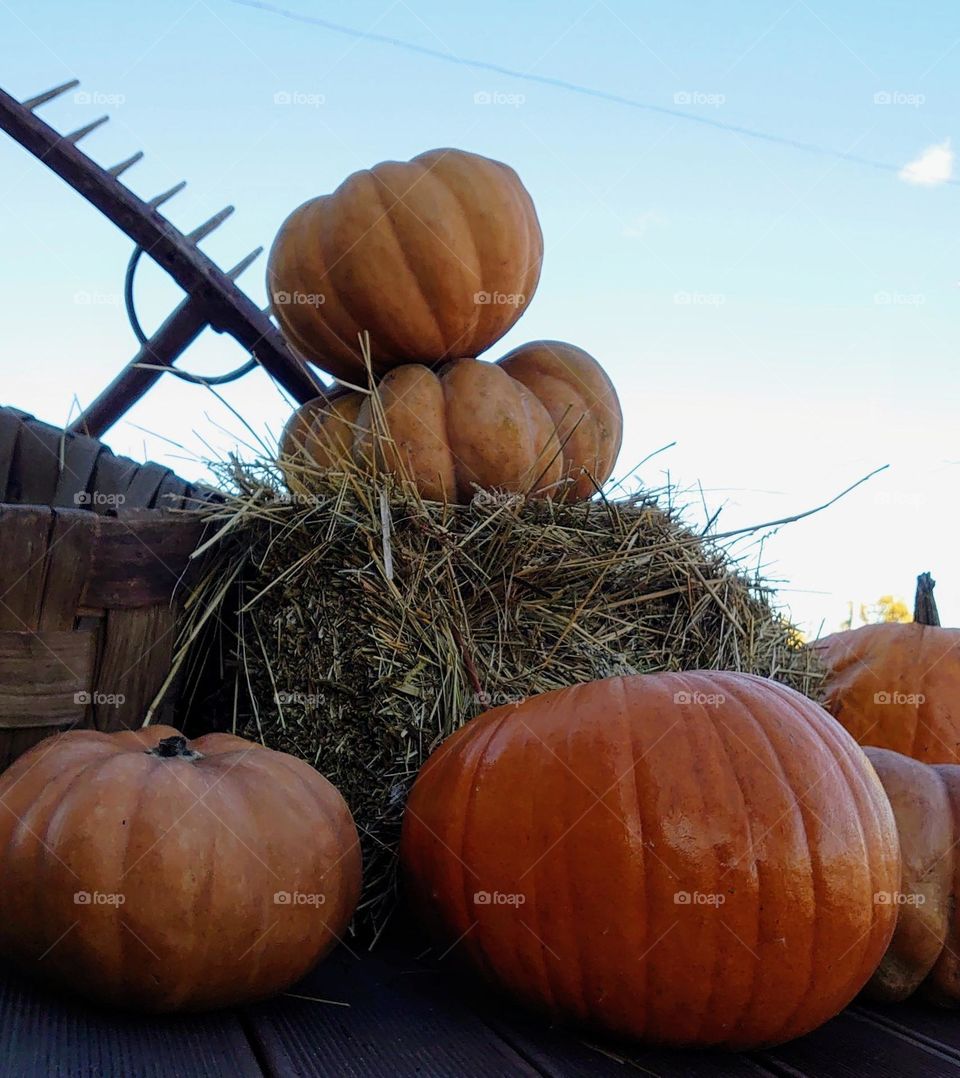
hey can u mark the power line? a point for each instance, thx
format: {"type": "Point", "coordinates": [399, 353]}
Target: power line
{"type": "Point", "coordinates": [573, 87]}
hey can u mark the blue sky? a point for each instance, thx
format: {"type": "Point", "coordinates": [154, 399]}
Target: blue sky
{"type": "Point", "coordinates": [787, 318]}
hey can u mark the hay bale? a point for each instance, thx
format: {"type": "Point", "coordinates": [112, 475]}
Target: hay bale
{"type": "Point", "coordinates": [373, 624]}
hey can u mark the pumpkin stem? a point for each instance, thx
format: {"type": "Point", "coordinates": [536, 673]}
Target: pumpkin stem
{"type": "Point", "coordinates": [169, 748]}
{"type": "Point", "coordinates": [925, 606]}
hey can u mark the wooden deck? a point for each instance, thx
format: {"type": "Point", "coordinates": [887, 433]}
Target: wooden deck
{"type": "Point", "coordinates": [399, 1016]}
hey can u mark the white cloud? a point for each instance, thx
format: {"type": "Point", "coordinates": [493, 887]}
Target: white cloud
{"type": "Point", "coordinates": [639, 226]}
{"type": "Point", "coordinates": [934, 166]}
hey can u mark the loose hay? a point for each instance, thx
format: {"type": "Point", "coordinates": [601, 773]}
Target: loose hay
{"type": "Point", "coordinates": [373, 624]}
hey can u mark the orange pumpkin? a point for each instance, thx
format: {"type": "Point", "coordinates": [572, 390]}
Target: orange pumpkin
{"type": "Point", "coordinates": [321, 431]}
{"type": "Point", "coordinates": [687, 859]}
{"type": "Point", "coordinates": [436, 258]}
{"type": "Point", "coordinates": [898, 686]}
{"type": "Point", "coordinates": [150, 872]}
{"type": "Point", "coordinates": [924, 954]}
{"type": "Point", "coordinates": [582, 403]}
{"type": "Point", "coordinates": [544, 420]}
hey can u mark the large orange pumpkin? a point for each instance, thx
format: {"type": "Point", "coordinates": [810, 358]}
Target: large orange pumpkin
{"type": "Point", "coordinates": [544, 420]}
{"type": "Point", "coordinates": [688, 859]}
{"type": "Point", "coordinates": [436, 258]}
{"type": "Point", "coordinates": [898, 686]}
{"type": "Point", "coordinates": [925, 951]}
{"type": "Point", "coordinates": [150, 872]}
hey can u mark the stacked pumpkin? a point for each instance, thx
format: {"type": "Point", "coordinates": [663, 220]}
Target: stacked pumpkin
{"type": "Point", "coordinates": [406, 274]}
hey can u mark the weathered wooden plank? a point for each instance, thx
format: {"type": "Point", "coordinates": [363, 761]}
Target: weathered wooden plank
{"type": "Point", "coordinates": [142, 493]}
{"type": "Point", "coordinates": [43, 677]}
{"type": "Point", "coordinates": [69, 554]}
{"type": "Point", "coordinates": [44, 1035]}
{"type": "Point", "coordinates": [565, 1054]}
{"type": "Point", "coordinates": [171, 492]}
{"type": "Point", "coordinates": [553, 1051]}
{"type": "Point", "coordinates": [135, 657]}
{"type": "Point", "coordinates": [43, 672]}
{"type": "Point", "coordinates": [387, 1031]}
{"type": "Point", "coordinates": [24, 537]}
{"type": "Point", "coordinates": [80, 456]}
{"type": "Point", "coordinates": [851, 1046]}
{"type": "Point", "coordinates": [111, 479]}
{"type": "Point", "coordinates": [138, 558]}
{"type": "Point", "coordinates": [35, 472]}
{"type": "Point", "coordinates": [10, 423]}
{"type": "Point", "coordinates": [918, 1020]}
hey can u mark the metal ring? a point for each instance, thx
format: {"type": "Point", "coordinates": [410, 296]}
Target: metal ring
{"type": "Point", "coordinates": [186, 376]}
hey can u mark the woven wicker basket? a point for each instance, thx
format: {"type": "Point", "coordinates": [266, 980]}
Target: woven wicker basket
{"type": "Point", "coordinates": [91, 551]}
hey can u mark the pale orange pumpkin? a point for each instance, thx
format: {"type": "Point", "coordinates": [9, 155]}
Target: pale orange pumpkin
{"type": "Point", "coordinates": [436, 258]}
{"type": "Point", "coordinates": [924, 954]}
{"type": "Point", "coordinates": [545, 420]}
{"type": "Point", "coordinates": [582, 403]}
{"type": "Point", "coordinates": [149, 872]}
{"type": "Point", "coordinates": [681, 858]}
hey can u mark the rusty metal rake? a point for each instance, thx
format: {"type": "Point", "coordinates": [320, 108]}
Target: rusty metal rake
{"type": "Point", "coordinates": [213, 298]}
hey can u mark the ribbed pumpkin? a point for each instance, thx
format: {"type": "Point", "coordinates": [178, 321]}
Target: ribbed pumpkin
{"type": "Point", "coordinates": [924, 954]}
{"type": "Point", "coordinates": [898, 686]}
{"type": "Point", "coordinates": [153, 873]}
{"type": "Point", "coordinates": [687, 859]}
{"type": "Point", "coordinates": [436, 258]}
{"type": "Point", "coordinates": [545, 419]}
{"type": "Point", "coordinates": [582, 403]}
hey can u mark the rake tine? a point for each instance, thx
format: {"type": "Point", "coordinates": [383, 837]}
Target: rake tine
{"type": "Point", "coordinates": [208, 226]}
{"type": "Point", "coordinates": [219, 300]}
{"type": "Point", "coordinates": [82, 132]}
{"type": "Point", "coordinates": [234, 273]}
{"type": "Point", "coordinates": [117, 170]}
{"type": "Point", "coordinates": [48, 95]}
{"type": "Point", "coordinates": [160, 199]}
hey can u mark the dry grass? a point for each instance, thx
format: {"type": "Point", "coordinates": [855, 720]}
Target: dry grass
{"type": "Point", "coordinates": [372, 624]}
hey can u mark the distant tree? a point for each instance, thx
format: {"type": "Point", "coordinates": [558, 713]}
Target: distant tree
{"type": "Point", "coordinates": [885, 609]}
